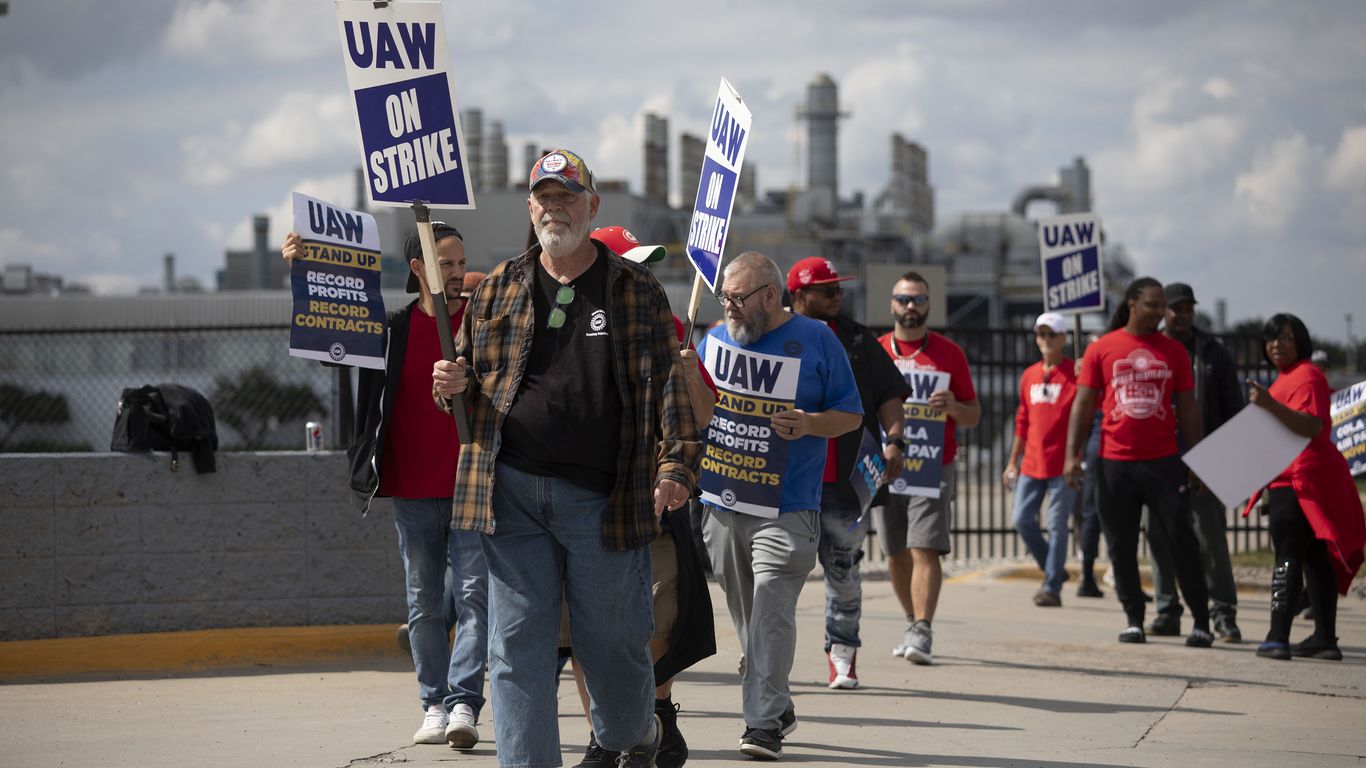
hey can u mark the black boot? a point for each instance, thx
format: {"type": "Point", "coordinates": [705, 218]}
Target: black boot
{"type": "Point", "coordinates": [673, 750]}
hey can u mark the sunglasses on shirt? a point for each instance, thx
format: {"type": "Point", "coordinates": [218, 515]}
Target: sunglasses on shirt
{"type": "Point", "coordinates": [563, 297]}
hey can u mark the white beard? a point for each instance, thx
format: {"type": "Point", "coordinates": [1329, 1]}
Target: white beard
{"type": "Point", "coordinates": [748, 331]}
{"type": "Point", "coordinates": [561, 242]}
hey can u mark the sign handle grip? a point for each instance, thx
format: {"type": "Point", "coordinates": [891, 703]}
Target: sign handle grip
{"type": "Point", "coordinates": [1076, 337]}
{"type": "Point", "coordinates": [440, 310]}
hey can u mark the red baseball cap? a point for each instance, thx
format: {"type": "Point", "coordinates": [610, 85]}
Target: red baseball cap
{"type": "Point", "coordinates": [812, 270]}
{"type": "Point", "coordinates": [620, 241]}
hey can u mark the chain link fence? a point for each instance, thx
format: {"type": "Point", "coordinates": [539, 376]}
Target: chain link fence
{"type": "Point", "coordinates": [59, 391]}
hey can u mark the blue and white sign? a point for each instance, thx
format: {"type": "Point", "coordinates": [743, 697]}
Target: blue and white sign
{"type": "Point", "coordinates": [1349, 425]}
{"type": "Point", "coordinates": [924, 434]}
{"type": "Point", "coordinates": [1073, 279]}
{"type": "Point", "coordinates": [742, 460]}
{"type": "Point", "coordinates": [398, 68]}
{"type": "Point", "coordinates": [725, 156]}
{"type": "Point", "coordinates": [338, 310]}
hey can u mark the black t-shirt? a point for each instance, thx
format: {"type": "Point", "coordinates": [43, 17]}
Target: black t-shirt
{"type": "Point", "coordinates": [566, 418]}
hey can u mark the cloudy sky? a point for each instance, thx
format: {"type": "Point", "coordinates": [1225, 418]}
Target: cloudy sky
{"type": "Point", "coordinates": [1227, 139]}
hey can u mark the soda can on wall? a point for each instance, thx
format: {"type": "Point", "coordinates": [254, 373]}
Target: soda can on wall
{"type": "Point", "coordinates": [313, 436]}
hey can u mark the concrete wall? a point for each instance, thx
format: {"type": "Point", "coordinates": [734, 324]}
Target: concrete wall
{"type": "Point", "coordinates": [95, 544]}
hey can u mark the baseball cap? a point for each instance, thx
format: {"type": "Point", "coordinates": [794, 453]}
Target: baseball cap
{"type": "Point", "coordinates": [1179, 292]}
{"type": "Point", "coordinates": [412, 248]}
{"type": "Point", "coordinates": [620, 241]}
{"type": "Point", "coordinates": [1055, 321]}
{"type": "Point", "coordinates": [812, 270]}
{"type": "Point", "coordinates": [471, 281]}
{"type": "Point", "coordinates": [565, 167]}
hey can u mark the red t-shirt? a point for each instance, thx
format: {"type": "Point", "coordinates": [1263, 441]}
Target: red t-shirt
{"type": "Point", "coordinates": [1140, 376]}
{"type": "Point", "coordinates": [935, 352]}
{"type": "Point", "coordinates": [1041, 420]}
{"type": "Point", "coordinates": [1302, 387]}
{"type": "Point", "coordinates": [423, 447]}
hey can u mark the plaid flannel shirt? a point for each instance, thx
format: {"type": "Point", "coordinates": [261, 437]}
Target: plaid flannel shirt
{"type": "Point", "coordinates": [659, 437]}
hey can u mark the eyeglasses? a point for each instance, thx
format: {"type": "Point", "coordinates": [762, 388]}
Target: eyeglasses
{"type": "Point", "coordinates": [562, 299]}
{"type": "Point", "coordinates": [903, 299]}
{"type": "Point", "coordinates": [828, 291]}
{"type": "Point", "coordinates": [738, 301]}
{"type": "Point", "coordinates": [1046, 334]}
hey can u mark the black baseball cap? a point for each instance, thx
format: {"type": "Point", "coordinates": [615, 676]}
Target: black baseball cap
{"type": "Point", "coordinates": [1178, 292]}
{"type": "Point", "coordinates": [412, 249]}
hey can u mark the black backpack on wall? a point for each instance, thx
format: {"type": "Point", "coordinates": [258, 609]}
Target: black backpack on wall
{"type": "Point", "coordinates": [168, 417]}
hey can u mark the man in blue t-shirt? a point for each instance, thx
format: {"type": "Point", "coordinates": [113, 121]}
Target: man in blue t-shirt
{"type": "Point", "coordinates": [765, 360]}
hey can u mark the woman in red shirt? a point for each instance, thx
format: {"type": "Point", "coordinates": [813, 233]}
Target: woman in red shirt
{"type": "Point", "coordinates": [1316, 519]}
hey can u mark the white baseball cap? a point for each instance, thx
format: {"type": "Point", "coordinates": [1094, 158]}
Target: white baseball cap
{"type": "Point", "coordinates": [1055, 321]}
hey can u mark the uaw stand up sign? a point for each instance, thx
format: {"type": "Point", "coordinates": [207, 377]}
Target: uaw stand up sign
{"type": "Point", "coordinates": [743, 461]}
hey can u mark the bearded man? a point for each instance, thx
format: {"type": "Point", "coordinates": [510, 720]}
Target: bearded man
{"type": "Point", "coordinates": [914, 530]}
{"type": "Point", "coordinates": [761, 560]}
{"type": "Point", "coordinates": [582, 435]}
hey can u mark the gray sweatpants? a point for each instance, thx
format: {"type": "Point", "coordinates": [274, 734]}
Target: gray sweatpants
{"type": "Point", "coordinates": [761, 565]}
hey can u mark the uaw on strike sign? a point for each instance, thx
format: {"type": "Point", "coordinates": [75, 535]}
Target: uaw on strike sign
{"type": "Point", "coordinates": [1069, 247]}
{"type": "Point", "coordinates": [742, 459]}
{"type": "Point", "coordinates": [725, 156]}
{"type": "Point", "coordinates": [398, 70]}
{"type": "Point", "coordinates": [338, 310]}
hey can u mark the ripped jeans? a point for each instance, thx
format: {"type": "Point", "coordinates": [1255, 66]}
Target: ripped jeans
{"type": "Point", "coordinates": [839, 552]}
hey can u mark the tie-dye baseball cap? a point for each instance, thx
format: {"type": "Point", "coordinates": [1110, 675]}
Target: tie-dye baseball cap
{"type": "Point", "coordinates": [565, 167]}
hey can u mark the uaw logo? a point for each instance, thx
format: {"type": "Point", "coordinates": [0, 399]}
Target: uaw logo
{"type": "Point", "coordinates": [599, 320]}
{"type": "Point", "coordinates": [900, 485]}
{"type": "Point", "coordinates": [728, 497]}
{"type": "Point", "coordinates": [337, 351]}
{"type": "Point", "coordinates": [1044, 393]}
{"type": "Point", "coordinates": [1140, 381]}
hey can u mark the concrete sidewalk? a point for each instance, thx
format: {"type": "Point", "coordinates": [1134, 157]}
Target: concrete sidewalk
{"type": "Point", "coordinates": [1013, 685]}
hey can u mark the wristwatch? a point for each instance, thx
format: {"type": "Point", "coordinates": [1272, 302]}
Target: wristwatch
{"type": "Point", "coordinates": [898, 442]}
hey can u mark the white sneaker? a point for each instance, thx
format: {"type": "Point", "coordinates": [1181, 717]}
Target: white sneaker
{"type": "Point", "coordinates": [461, 732]}
{"type": "Point", "coordinates": [433, 730]}
{"type": "Point", "coordinates": [841, 659]}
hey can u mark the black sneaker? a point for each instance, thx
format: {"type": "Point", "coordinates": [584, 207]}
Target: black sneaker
{"type": "Point", "coordinates": [1199, 638]}
{"type": "Point", "coordinates": [1226, 629]}
{"type": "Point", "coordinates": [1272, 650]}
{"type": "Point", "coordinates": [1165, 626]}
{"type": "Point", "coordinates": [1313, 648]}
{"type": "Point", "coordinates": [762, 743]}
{"type": "Point", "coordinates": [1089, 589]}
{"type": "Point", "coordinates": [673, 750]}
{"type": "Point", "coordinates": [1132, 635]}
{"type": "Point", "coordinates": [597, 757]}
{"type": "Point", "coordinates": [787, 721]}
{"type": "Point", "coordinates": [642, 755]}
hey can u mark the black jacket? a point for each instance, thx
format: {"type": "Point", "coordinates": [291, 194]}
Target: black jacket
{"type": "Point", "coordinates": [374, 402]}
{"type": "Point", "coordinates": [1218, 394]}
{"type": "Point", "coordinates": [877, 380]}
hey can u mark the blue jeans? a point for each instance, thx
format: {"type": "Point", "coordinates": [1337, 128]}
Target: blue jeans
{"type": "Point", "coordinates": [445, 675]}
{"type": "Point", "coordinates": [839, 552]}
{"type": "Point", "coordinates": [1051, 555]}
{"type": "Point", "coordinates": [547, 546]}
